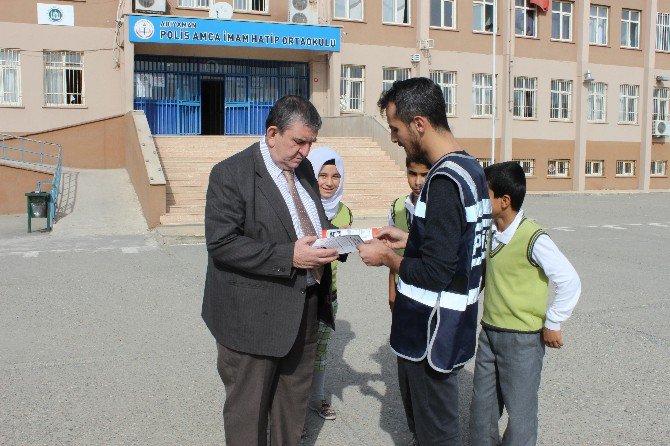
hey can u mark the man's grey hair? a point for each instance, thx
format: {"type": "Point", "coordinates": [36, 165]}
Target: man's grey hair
{"type": "Point", "coordinates": [291, 109]}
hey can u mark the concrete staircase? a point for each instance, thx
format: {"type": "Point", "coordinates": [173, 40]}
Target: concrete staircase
{"type": "Point", "coordinates": [373, 180]}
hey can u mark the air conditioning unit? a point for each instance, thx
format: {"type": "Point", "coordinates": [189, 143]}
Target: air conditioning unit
{"type": "Point", "coordinates": [150, 6]}
{"type": "Point", "coordinates": [426, 44]}
{"type": "Point", "coordinates": [303, 11]}
{"type": "Point", "coordinates": [415, 58]}
{"type": "Point", "coordinates": [661, 128]}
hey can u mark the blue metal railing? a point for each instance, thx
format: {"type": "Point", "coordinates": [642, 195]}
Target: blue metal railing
{"type": "Point", "coordinates": [17, 149]}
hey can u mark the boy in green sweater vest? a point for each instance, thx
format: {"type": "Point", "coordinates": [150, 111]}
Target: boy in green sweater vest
{"type": "Point", "coordinates": [402, 208]}
{"type": "Point", "coordinates": [516, 324]}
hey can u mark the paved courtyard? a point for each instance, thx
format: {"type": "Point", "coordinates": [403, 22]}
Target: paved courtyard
{"type": "Point", "coordinates": [101, 340]}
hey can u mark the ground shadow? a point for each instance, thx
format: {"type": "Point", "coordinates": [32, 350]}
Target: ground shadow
{"type": "Point", "coordinates": [67, 196]}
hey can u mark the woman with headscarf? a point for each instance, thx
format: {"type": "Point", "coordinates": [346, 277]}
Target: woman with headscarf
{"type": "Point", "coordinates": [329, 172]}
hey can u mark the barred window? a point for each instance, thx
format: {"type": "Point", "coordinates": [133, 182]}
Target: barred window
{"type": "Point", "coordinates": [10, 77]}
{"type": "Point", "coordinates": [597, 102]}
{"type": "Point", "coordinates": [598, 25]}
{"type": "Point", "coordinates": [525, 92]}
{"type": "Point", "coordinates": [447, 82]}
{"type": "Point", "coordinates": [63, 78]}
{"type": "Point", "coordinates": [561, 20]}
{"type": "Point", "coordinates": [195, 3]}
{"type": "Point", "coordinates": [525, 19]}
{"type": "Point", "coordinates": [558, 168]}
{"type": "Point", "coordinates": [352, 88]}
{"type": "Point", "coordinates": [246, 5]}
{"type": "Point", "coordinates": [625, 168]}
{"type": "Point", "coordinates": [561, 100]}
{"type": "Point", "coordinates": [396, 11]}
{"type": "Point", "coordinates": [663, 31]}
{"type": "Point", "coordinates": [628, 101]}
{"type": "Point", "coordinates": [661, 104]}
{"type": "Point", "coordinates": [594, 168]}
{"type": "Point", "coordinates": [658, 168]}
{"type": "Point", "coordinates": [630, 28]}
{"type": "Point", "coordinates": [528, 166]}
{"type": "Point", "coordinates": [390, 75]}
{"type": "Point", "coordinates": [482, 95]}
{"type": "Point", "coordinates": [443, 13]}
{"type": "Point", "coordinates": [484, 162]}
{"type": "Point", "coordinates": [482, 15]}
{"type": "Point", "coordinates": [349, 9]}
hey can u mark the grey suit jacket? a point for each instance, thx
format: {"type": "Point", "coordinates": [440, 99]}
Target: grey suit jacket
{"type": "Point", "coordinates": [254, 298]}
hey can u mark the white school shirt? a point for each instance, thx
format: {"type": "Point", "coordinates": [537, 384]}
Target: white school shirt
{"type": "Point", "coordinates": [556, 267]}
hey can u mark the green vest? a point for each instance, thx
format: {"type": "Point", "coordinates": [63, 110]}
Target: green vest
{"type": "Point", "coordinates": [344, 217]}
{"type": "Point", "coordinates": [515, 297]}
{"type": "Point", "coordinates": [401, 219]}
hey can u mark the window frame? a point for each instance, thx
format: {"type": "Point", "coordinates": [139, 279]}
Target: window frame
{"type": "Point", "coordinates": [527, 90]}
{"type": "Point", "coordinates": [484, 5]}
{"type": "Point", "coordinates": [194, 6]}
{"type": "Point", "coordinates": [589, 172]}
{"type": "Point", "coordinates": [663, 32]}
{"type": "Point", "coordinates": [624, 97]}
{"type": "Point", "coordinates": [484, 162]}
{"type": "Point", "coordinates": [528, 166]}
{"type": "Point", "coordinates": [482, 95]}
{"type": "Point", "coordinates": [597, 19]}
{"type": "Point", "coordinates": [64, 67]}
{"type": "Point", "coordinates": [527, 9]}
{"type": "Point", "coordinates": [661, 98]}
{"type": "Point", "coordinates": [591, 101]}
{"type": "Point", "coordinates": [560, 94]}
{"type": "Point", "coordinates": [561, 14]}
{"type": "Point", "coordinates": [663, 171]}
{"type": "Point", "coordinates": [408, 6]}
{"type": "Point", "coordinates": [249, 10]}
{"type": "Point", "coordinates": [6, 66]}
{"type": "Point", "coordinates": [395, 70]}
{"type": "Point", "coordinates": [348, 81]}
{"type": "Point", "coordinates": [621, 171]}
{"type": "Point", "coordinates": [454, 15]}
{"type": "Point", "coordinates": [628, 22]}
{"type": "Point", "coordinates": [348, 9]}
{"type": "Point", "coordinates": [558, 172]}
{"type": "Point", "coordinates": [451, 83]}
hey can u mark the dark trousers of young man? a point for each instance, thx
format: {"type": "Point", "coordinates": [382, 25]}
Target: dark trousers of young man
{"type": "Point", "coordinates": [507, 374]}
{"type": "Point", "coordinates": [431, 403]}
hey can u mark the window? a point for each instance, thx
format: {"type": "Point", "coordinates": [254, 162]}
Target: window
{"type": "Point", "coordinates": [482, 15]}
{"type": "Point", "coordinates": [561, 100]}
{"type": "Point", "coordinates": [484, 162]}
{"type": "Point", "coordinates": [349, 9]}
{"type": "Point", "coordinates": [443, 13]}
{"type": "Point", "coordinates": [390, 75]}
{"type": "Point", "coordinates": [352, 88]}
{"type": "Point", "coordinates": [395, 11]}
{"type": "Point", "coordinates": [558, 168]}
{"type": "Point", "coordinates": [598, 25]}
{"type": "Point", "coordinates": [661, 104]}
{"type": "Point", "coordinates": [628, 100]}
{"type": "Point", "coordinates": [663, 31]}
{"type": "Point", "coordinates": [525, 19]}
{"type": "Point", "coordinates": [195, 3]}
{"type": "Point", "coordinates": [561, 21]}
{"type": "Point", "coordinates": [658, 168]}
{"type": "Point", "coordinates": [594, 168]}
{"type": "Point", "coordinates": [10, 77]}
{"type": "Point", "coordinates": [630, 28]}
{"type": "Point", "coordinates": [528, 166]}
{"type": "Point", "coordinates": [482, 95]}
{"type": "Point", "coordinates": [625, 168]}
{"type": "Point", "coordinates": [63, 78]}
{"type": "Point", "coordinates": [247, 5]}
{"type": "Point", "coordinates": [447, 82]}
{"type": "Point", "coordinates": [597, 102]}
{"type": "Point", "coordinates": [525, 91]}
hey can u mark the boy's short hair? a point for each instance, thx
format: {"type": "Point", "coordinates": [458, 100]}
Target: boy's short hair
{"type": "Point", "coordinates": [421, 159]}
{"type": "Point", "coordinates": [507, 178]}
{"type": "Point", "coordinates": [417, 96]}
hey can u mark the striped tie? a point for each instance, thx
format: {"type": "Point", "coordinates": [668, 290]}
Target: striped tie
{"type": "Point", "coordinates": [305, 222]}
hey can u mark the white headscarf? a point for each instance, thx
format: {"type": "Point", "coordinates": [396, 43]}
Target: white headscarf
{"type": "Point", "coordinates": [318, 156]}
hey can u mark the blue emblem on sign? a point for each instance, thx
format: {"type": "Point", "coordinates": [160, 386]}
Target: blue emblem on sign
{"type": "Point", "coordinates": [55, 14]}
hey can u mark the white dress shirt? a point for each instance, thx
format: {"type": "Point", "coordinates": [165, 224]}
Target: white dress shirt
{"type": "Point", "coordinates": [556, 267]}
{"type": "Point", "coordinates": [277, 174]}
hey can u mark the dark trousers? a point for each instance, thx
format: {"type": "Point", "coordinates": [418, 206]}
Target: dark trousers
{"type": "Point", "coordinates": [507, 374]}
{"type": "Point", "coordinates": [431, 403]}
{"type": "Point", "coordinates": [262, 387]}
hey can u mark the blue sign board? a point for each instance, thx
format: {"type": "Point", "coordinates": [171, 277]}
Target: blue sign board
{"type": "Point", "coordinates": [192, 31]}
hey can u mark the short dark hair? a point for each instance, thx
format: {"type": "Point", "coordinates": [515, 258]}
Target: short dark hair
{"type": "Point", "coordinates": [290, 108]}
{"type": "Point", "coordinates": [417, 160]}
{"type": "Point", "coordinates": [417, 96]}
{"type": "Point", "coordinates": [507, 178]}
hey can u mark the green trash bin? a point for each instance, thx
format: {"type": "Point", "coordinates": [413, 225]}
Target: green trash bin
{"type": "Point", "coordinates": [38, 207]}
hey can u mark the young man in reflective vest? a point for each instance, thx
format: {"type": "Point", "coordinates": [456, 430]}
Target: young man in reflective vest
{"type": "Point", "coordinates": [434, 322]}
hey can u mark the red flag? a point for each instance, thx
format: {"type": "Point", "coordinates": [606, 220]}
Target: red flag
{"type": "Point", "coordinates": [544, 4]}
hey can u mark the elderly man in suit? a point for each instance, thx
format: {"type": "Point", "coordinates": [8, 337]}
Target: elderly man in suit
{"type": "Point", "coordinates": [265, 282]}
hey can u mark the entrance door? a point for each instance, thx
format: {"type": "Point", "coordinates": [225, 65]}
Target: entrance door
{"type": "Point", "coordinates": [212, 116]}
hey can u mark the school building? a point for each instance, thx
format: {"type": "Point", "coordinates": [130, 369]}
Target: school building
{"type": "Point", "coordinates": [578, 92]}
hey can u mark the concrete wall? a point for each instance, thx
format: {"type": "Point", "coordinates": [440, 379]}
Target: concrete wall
{"type": "Point", "coordinates": [15, 183]}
